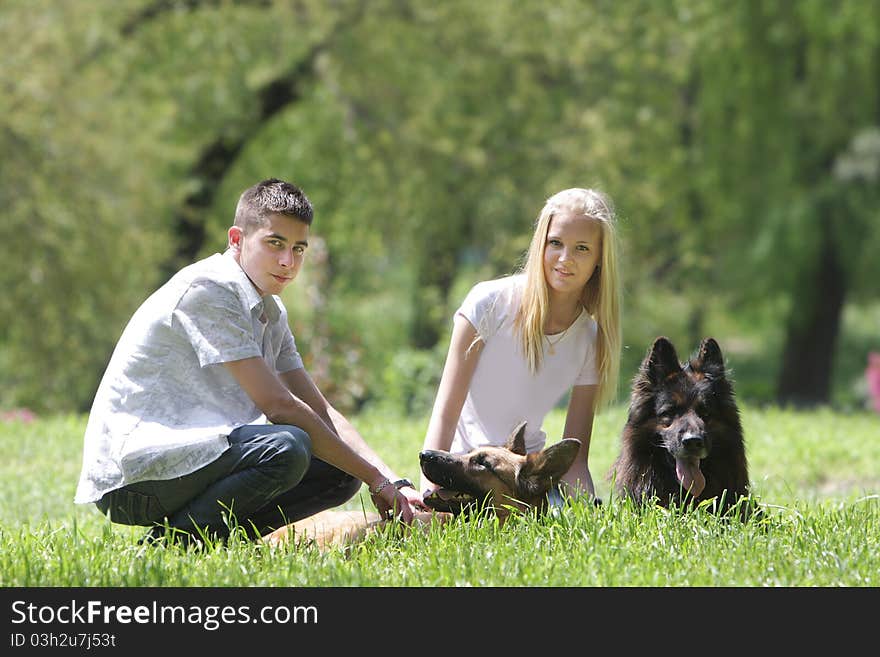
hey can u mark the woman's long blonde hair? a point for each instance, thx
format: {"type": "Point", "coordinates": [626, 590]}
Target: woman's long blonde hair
{"type": "Point", "coordinates": [601, 297]}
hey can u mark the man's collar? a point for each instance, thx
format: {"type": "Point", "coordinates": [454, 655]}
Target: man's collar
{"type": "Point", "coordinates": [271, 306]}
{"type": "Point", "coordinates": [269, 303]}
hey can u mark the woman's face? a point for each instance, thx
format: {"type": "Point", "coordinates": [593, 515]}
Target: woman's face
{"type": "Point", "coordinates": [571, 252]}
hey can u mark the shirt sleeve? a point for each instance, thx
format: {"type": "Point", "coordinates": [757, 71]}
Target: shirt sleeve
{"type": "Point", "coordinates": [480, 309]}
{"type": "Point", "coordinates": [216, 323]}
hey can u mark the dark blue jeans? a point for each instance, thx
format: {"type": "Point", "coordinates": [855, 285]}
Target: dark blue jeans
{"type": "Point", "coordinates": [266, 478]}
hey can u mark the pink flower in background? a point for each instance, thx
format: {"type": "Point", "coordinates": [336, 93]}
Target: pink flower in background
{"type": "Point", "coordinates": [872, 374]}
{"type": "Point", "coordinates": [18, 415]}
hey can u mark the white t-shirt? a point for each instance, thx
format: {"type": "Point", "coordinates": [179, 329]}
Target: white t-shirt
{"type": "Point", "coordinates": [503, 391]}
{"type": "Point", "coordinates": [166, 403]}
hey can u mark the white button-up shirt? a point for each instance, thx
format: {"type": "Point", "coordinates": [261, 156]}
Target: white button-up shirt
{"type": "Point", "coordinates": [166, 403]}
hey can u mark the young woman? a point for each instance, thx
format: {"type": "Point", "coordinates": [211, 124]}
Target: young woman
{"type": "Point", "coordinates": [521, 342]}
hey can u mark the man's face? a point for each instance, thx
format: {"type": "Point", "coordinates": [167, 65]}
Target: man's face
{"type": "Point", "coordinates": [271, 255]}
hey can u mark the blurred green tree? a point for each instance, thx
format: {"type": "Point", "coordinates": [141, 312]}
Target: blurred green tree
{"type": "Point", "coordinates": [738, 140]}
{"type": "Point", "coordinates": [789, 111]}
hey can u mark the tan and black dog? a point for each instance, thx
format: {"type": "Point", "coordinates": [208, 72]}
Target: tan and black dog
{"type": "Point", "coordinates": [498, 479]}
{"type": "Point", "coordinates": [338, 529]}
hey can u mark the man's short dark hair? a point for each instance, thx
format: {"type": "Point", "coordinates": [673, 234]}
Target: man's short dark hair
{"type": "Point", "coordinates": [272, 196]}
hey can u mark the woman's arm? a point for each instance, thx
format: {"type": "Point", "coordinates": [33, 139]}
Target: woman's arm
{"type": "Point", "coordinates": [579, 424]}
{"type": "Point", "coordinates": [461, 361]}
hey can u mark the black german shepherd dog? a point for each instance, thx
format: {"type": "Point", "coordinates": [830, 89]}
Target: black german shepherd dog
{"type": "Point", "coordinates": [682, 442]}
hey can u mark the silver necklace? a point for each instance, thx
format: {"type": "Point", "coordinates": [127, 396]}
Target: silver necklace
{"type": "Point", "coordinates": [552, 343]}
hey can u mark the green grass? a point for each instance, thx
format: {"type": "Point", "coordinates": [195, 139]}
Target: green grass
{"type": "Point", "coordinates": [817, 474]}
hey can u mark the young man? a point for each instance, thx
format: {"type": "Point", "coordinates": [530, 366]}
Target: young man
{"type": "Point", "coordinates": [206, 418]}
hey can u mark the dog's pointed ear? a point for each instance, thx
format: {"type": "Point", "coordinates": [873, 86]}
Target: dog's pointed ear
{"type": "Point", "coordinates": [516, 442]}
{"type": "Point", "coordinates": [710, 352]}
{"type": "Point", "coordinates": [548, 465]}
{"type": "Point", "coordinates": [709, 355]}
{"type": "Point", "coordinates": [661, 361]}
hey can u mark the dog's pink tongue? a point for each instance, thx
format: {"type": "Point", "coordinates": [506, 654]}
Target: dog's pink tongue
{"type": "Point", "coordinates": [690, 476]}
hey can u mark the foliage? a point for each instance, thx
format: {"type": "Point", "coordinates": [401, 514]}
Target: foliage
{"type": "Point", "coordinates": [428, 135]}
{"type": "Point", "coordinates": [410, 380]}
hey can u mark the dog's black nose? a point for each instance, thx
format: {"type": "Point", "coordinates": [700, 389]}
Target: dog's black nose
{"type": "Point", "coordinates": [692, 442]}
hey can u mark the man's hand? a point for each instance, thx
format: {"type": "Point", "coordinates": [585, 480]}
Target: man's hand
{"type": "Point", "coordinates": [414, 498]}
{"type": "Point", "coordinates": [394, 503]}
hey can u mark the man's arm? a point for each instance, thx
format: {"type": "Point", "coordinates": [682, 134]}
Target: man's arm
{"type": "Point", "coordinates": [283, 406]}
{"type": "Point", "coordinates": [302, 386]}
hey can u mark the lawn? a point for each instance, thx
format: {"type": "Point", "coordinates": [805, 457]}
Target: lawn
{"type": "Point", "coordinates": [816, 473]}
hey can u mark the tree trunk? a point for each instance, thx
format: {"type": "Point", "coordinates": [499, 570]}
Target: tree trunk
{"type": "Point", "coordinates": [808, 358]}
{"type": "Point", "coordinates": [439, 241]}
{"type": "Point", "coordinates": [435, 277]}
{"type": "Point", "coordinates": [218, 156]}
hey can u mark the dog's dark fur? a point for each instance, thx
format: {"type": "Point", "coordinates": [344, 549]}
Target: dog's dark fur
{"type": "Point", "coordinates": [497, 478]}
{"type": "Point", "coordinates": [683, 427]}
